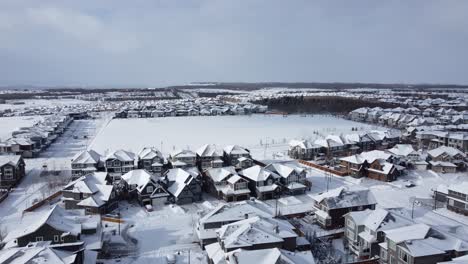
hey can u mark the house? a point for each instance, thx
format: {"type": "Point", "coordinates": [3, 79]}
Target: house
{"type": "Point", "coordinates": [183, 159]}
{"type": "Point", "coordinates": [405, 152]}
{"type": "Point", "coordinates": [229, 213]}
{"type": "Point", "coordinates": [420, 243]}
{"type": "Point", "coordinates": [292, 177]}
{"type": "Point", "coordinates": [331, 206]}
{"type": "Point", "coordinates": [382, 170]}
{"type": "Point", "coordinates": [237, 156]}
{"type": "Point", "coordinates": [209, 157]}
{"type": "Point", "coordinates": [84, 162]}
{"type": "Point", "coordinates": [375, 164]}
{"type": "Point", "coordinates": [303, 149]}
{"type": "Point", "coordinates": [151, 160]}
{"type": "Point", "coordinates": [45, 252]}
{"type": "Point", "coordinates": [446, 159]}
{"type": "Point", "coordinates": [120, 162]}
{"type": "Point", "coordinates": [364, 230]}
{"type": "Point", "coordinates": [141, 185]}
{"type": "Point", "coordinates": [262, 182]}
{"type": "Point", "coordinates": [359, 114]}
{"type": "Point", "coordinates": [12, 170]}
{"type": "Point", "coordinates": [184, 185]}
{"type": "Point", "coordinates": [91, 193]}
{"type": "Point", "coordinates": [226, 184]}
{"type": "Point", "coordinates": [457, 198]}
{"type": "Point", "coordinates": [253, 234]}
{"type": "Point", "coordinates": [58, 226]}
{"type": "Point", "coordinates": [270, 255]}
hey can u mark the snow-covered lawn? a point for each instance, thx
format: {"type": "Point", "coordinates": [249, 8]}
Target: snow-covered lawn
{"type": "Point", "coordinates": [264, 135]}
{"type": "Point", "coordinates": [9, 124]}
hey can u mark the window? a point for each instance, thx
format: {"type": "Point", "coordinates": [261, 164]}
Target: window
{"type": "Point", "coordinates": [403, 255]}
{"type": "Point", "coordinates": [8, 173]}
{"type": "Point", "coordinates": [39, 239]}
{"type": "Point", "coordinates": [451, 202]}
{"type": "Point", "coordinates": [383, 254]}
{"type": "Point", "coordinates": [56, 238]}
{"type": "Point", "coordinates": [149, 189]}
{"type": "Point", "coordinates": [350, 223]}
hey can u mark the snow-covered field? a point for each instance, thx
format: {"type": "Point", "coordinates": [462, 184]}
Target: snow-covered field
{"type": "Point", "coordinates": [264, 135]}
{"type": "Point", "coordinates": [10, 104]}
{"type": "Point", "coordinates": [9, 124]}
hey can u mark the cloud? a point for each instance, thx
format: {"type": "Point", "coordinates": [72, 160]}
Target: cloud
{"type": "Point", "coordinates": [170, 42]}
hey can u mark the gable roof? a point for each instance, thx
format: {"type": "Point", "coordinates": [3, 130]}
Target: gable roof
{"type": "Point", "coordinates": [344, 197]}
{"type": "Point", "coordinates": [208, 150]}
{"type": "Point", "coordinates": [9, 159]}
{"type": "Point", "coordinates": [140, 178]}
{"type": "Point", "coordinates": [258, 173]}
{"type": "Point", "coordinates": [150, 153]}
{"type": "Point", "coordinates": [86, 157]}
{"type": "Point", "coordinates": [122, 155]}
{"type": "Point", "coordinates": [444, 150]}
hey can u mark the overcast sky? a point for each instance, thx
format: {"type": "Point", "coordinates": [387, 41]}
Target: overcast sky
{"type": "Point", "coordinates": [154, 43]}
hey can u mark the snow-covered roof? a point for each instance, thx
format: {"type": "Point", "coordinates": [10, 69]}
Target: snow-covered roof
{"type": "Point", "coordinates": [87, 157]}
{"type": "Point", "coordinates": [139, 178]}
{"type": "Point", "coordinates": [445, 150]}
{"type": "Point", "coordinates": [257, 173]}
{"type": "Point", "coordinates": [150, 153]}
{"type": "Point", "coordinates": [122, 155]}
{"type": "Point", "coordinates": [343, 197]}
{"type": "Point", "coordinates": [369, 156]}
{"type": "Point", "coordinates": [208, 150]}
{"type": "Point", "coordinates": [180, 178]}
{"type": "Point", "coordinates": [183, 153]}
{"type": "Point", "coordinates": [38, 252]}
{"type": "Point", "coordinates": [255, 230]}
{"type": "Point", "coordinates": [304, 144]}
{"type": "Point", "coordinates": [55, 217]}
{"type": "Point", "coordinates": [268, 256]}
{"type": "Point", "coordinates": [412, 232]}
{"type": "Point", "coordinates": [401, 150]}
{"type": "Point", "coordinates": [284, 169]}
{"type": "Point", "coordinates": [237, 211]}
{"type": "Point", "coordinates": [9, 159]}
{"type": "Point", "coordinates": [459, 187]}
{"type": "Point", "coordinates": [236, 149]}
{"type": "Point", "coordinates": [220, 174]}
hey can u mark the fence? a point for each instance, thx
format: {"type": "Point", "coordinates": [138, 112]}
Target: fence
{"type": "Point", "coordinates": [322, 168]}
{"type": "Point", "coordinates": [41, 203]}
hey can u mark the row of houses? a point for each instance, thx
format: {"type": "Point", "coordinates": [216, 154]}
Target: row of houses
{"type": "Point", "coordinates": [431, 139]}
{"type": "Point", "coordinates": [30, 141]}
{"type": "Point", "coordinates": [190, 107]}
{"type": "Point", "coordinates": [151, 159]}
{"type": "Point", "coordinates": [342, 145]}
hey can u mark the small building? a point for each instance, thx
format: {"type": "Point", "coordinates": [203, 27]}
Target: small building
{"type": "Point", "coordinates": [292, 177]}
{"type": "Point", "coordinates": [141, 185]}
{"type": "Point", "coordinates": [12, 170]}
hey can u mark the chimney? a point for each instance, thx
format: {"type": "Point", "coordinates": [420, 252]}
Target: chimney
{"type": "Point", "coordinates": [276, 228]}
{"type": "Point", "coordinates": [246, 216]}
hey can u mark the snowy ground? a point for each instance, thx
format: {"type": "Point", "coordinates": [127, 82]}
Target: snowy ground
{"type": "Point", "coordinates": [264, 135]}
{"type": "Point", "coordinates": [9, 124]}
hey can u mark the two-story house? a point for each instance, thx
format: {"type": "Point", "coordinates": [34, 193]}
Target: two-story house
{"type": "Point", "coordinates": [331, 206]}
{"type": "Point", "coordinates": [120, 162]}
{"type": "Point", "coordinates": [151, 160]}
{"type": "Point", "coordinates": [84, 162]}
{"type": "Point", "coordinates": [226, 184]}
{"type": "Point", "coordinates": [237, 156]}
{"type": "Point", "coordinates": [183, 159]}
{"type": "Point", "coordinates": [292, 177]}
{"type": "Point", "coordinates": [209, 157]}
{"type": "Point", "coordinates": [12, 170]}
{"type": "Point", "coordinates": [457, 198]}
{"type": "Point", "coordinates": [184, 185]}
{"type": "Point", "coordinates": [91, 193]}
{"type": "Point", "coordinates": [262, 182]}
{"type": "Point", "coordinates": [141, 185]}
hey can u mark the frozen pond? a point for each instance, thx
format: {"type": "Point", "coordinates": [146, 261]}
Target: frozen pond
{"type": "Point", "coordinates": [253, 132]}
